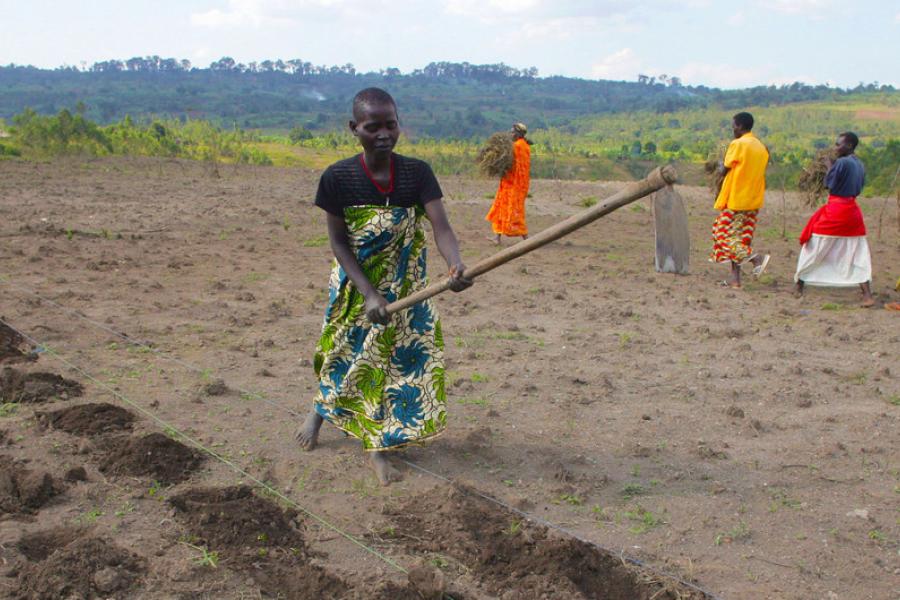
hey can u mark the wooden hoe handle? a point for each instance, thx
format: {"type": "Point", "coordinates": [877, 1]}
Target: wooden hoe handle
{"type": "Point", "coordinates": [657, 179]}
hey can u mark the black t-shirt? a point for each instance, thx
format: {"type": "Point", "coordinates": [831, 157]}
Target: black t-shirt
{"type": "Point", "coordinates": [346, 183]}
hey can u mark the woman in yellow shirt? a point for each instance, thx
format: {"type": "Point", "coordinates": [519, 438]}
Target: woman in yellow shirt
{"type": "Point", "coordinates": [739, 200]}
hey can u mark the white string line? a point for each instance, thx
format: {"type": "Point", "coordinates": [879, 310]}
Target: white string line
{"type": "Point", "coordinates": [169, 427]}
{"type": "Point", "coordinates": [528, 516]}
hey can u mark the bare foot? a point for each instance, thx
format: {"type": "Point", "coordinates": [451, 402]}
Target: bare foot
{"type": "Point", "coordinates": [868, 302]}
{"type": "Point", "coordinates": [384, 470]}
{"type": "Point", "coordinates": [308, 433]}
{"type": "Point", "coordinates": [730, 283]}
{"type": "Point", "coordinates": [798, 290]}
{"type": "Point", "coordinates": [495, 239]}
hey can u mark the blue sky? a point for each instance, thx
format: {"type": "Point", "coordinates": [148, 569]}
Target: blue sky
{"type": "Point", "coordinates": [723, 44]}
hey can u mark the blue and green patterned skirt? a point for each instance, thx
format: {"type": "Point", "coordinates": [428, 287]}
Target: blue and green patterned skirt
{"type": "Point", "coordinates": [383, 384]}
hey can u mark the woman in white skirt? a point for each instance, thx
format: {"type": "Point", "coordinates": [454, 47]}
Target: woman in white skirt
{"type": "Point", "coordinates": [834, 250]}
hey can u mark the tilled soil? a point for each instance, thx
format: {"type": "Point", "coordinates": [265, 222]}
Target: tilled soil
{"type": "Point", "coordinates": [87, 567]}
{"type": "Point", "coordinates": [516, 559]}
{"type": "Point", "coordinates": [744, 441]}
{"type": "Point", "coordinates": [154, 455]}
{"type": "Point", "coordinates": [23, 491]}
{"type": "Point", "coordinates": [89, 420]}
{"type": "Point", "coordinates": [36, 387]}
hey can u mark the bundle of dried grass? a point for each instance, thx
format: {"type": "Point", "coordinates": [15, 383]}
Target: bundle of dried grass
{"type": "Point", "coordinates": [812, 179]}
{"type": "Point", "coordinates": [495, 159]}
{"type": "Point", "coordinates": [715, 173]}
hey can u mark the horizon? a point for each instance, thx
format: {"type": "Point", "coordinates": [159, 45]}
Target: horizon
{"type": "Point", "coordinates": [787, 40]}
{"type": "Point", "coordinates": [662, 78]}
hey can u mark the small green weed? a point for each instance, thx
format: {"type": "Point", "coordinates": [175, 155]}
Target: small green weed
{"type": "Point", "coordinates": [7, 409]}
{"type": "Point", "coordinates": [316, 242]}
{"type": "Point", "coordinates": [644, 520]}
{"type": "Point", "coordinates": [832, 306]}
{"type": "Point", "coordinates": [479, 378]}
{"type": "Point", "coordinates": [587, 202]}
{"type": "Point", "coordinates": [894, 400]}
{"type": "Point", "coordinates": [739, 532]}
{"type": "Point", "coordinates": [207, 558]}
{"type": "Point", "coordinates": [571, 499]}
{"type": "Point", "coordinates": [515, 527]}
{"type": "Point", "coordinates": [877, 536]}
{"type": "Point", "coordinates": [630, 490]}
{"type": "Point", "coordinates": [90, 517]}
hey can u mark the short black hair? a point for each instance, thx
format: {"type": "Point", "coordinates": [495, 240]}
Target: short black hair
{"type": "Point", "coordinates": [850, 137]}
{"type": "Point", "coordinates": [745, 120]}
{"type": "Point", "coordinates": [372, 95]}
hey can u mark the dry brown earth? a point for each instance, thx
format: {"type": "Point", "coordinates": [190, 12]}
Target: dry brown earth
{"type": "Point", "coordinates": [745, 441]}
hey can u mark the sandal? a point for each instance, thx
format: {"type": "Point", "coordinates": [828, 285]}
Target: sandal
{"type": "Point", "coordinates": [728, 284]}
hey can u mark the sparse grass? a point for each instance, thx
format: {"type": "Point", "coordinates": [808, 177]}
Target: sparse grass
{"type": "Point", "coordinates": [206, 558]}
{"type": "Point", "coordinates": [877, 536]}
{"type": "Point", "coordinates": [315, 242]}
{"type": "Point", "coordinates": [630, 490]}
{"type": "Point", "coordinates": [479, 378]}
{"type": "Point", "coordinates": [832, 306]}
{"type": "Point", "coordinates": [255, 277]}
{"type": "Point", "coordinates": [515, 526]}
{"type": "Point", "coordinates": [125, 509]}
{"type": "Point", "coordinates": [480, 401]}
{"type": "Point", "coordinates": [625, 338]}
{"type": "Point", "coordinates": [587, 201]}
{"type": "Point", "coordinates": [90, 516]}
{"type": "Point", "coordinates": [739, 532]}
{"type": "Point", "coordinates": [8, 409]}
{"type": "Point", "coordinates": [644, 520]}
{"type": "Point", "coordinates": [894, 400]}
{"type": "Point", "coordinates": [570, 499]}
{"type": "Point", "coordinates": [858, 378]}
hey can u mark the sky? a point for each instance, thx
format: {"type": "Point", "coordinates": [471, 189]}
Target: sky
{"type": "Point", "coordinates": [704, 42]}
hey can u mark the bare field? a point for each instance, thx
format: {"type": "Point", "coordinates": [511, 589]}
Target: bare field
{"type": "Point", "coordinates": [742, 441]}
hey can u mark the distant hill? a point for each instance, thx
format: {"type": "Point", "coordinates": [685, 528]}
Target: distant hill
{"type": "Point", "coordinates": [441, 100]}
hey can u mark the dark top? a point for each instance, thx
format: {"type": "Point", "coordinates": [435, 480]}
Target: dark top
{"type": "Point", "coordinates": [846, 177]}
{"type": "Point", "coordinates": [346, 183]}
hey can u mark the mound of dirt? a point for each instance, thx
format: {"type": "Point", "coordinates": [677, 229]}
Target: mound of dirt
{"type": "Point", "coordinates": [88, 419]}
{"type": "Point", "coordinates": [17, 386]}
{"type": "Point", "coordinates": [10, 346]}
{"type": "Point", "coordinates": [516, 559]}
{"type": "Point", "coordinates": [83, 568]}
{"type": "Point", "coordinates": [257, 537]}
{"type": "Point", "coordinates": [23, 491]}
{"type": "Point", "coordinates": [154, 455]}
{"type": "Point", "coordinates": [235, 517]}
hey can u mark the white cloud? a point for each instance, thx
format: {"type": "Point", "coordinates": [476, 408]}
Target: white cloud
{"type": "Point", "coordinates": [620, 65]}
{"type": "Point", "coordinates": [489, 9]}
{"type": "Point", "coordinates": [737, 19]}
{"type": "Point", "coordinates": [259, 13]}
{"type": "Point", "coordinates": [811, 8]}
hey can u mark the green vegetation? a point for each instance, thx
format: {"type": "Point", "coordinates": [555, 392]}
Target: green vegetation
{"type": "Point", "coordinates": [292, 113]}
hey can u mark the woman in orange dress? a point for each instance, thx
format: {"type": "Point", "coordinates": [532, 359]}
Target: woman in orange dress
{"type": "Point", "coordinates": [507, 214]}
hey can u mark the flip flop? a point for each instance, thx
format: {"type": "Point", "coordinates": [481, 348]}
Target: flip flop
{"type": "Point", "coordinates": [895, 306]}
{"type": "Point", "coordinates": [728, 284]}
{"type": "Point", "coordinates": [759, 270]}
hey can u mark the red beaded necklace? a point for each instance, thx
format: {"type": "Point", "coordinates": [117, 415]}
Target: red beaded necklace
{"type": "Point", "coordinates": [386, 191]}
